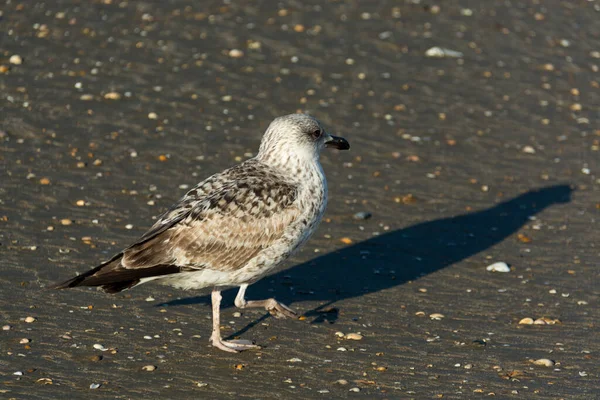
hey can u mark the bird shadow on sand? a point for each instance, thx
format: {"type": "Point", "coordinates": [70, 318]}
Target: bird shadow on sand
{"type": "Point", "coordinates": [394, 258]}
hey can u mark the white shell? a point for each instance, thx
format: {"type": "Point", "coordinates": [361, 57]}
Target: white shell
{"type": "Point", "coordinates": [498, 267]}
{"type": "Point", "coordinates": [544, 362]}
{"type": "Point", "coordinates": [439, 52]}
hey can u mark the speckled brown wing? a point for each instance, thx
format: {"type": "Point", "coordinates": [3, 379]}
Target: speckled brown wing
{"type": "Point", "coordinates": [221, 224]}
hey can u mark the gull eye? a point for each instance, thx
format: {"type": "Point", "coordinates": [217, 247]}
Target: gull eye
{"type": "Point", "coordinates": [317, 134]}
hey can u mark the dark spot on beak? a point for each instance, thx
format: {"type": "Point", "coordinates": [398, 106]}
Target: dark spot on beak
{"type": "Point", "coordinates": [337, 142]}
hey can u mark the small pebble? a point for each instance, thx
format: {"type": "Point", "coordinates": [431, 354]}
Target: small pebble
{"type": "Point", "coordinates": [152, 115]}
{"type": "Point", "coordinates": [29, 320]}
{"type": "Point", "coordinates": [112, 96]}
{"type": "Point", "coordinates": [294, 360]}
{"type": "Point", "coordinates": [498, 267]}
{"type": "Point", "coordinates": [354, 336]}
{"type": "Point", "coordinates": [236, 53]}
{"type": "Point", "coordinates": [340, 334]}
{"type": "Point", "coordinates": [341, 382]}
{"type": "Point", "coordinates": [439, 52]}
{"type": "Point", "coordinates": [24, 341]}
{"type": "Point", "coordinates": [18, 373]}
{"type": "Point", "coordinates": [237, 314]}
{"type": "Point", "coordinates": [66, 221]}
{"type": "Point", "coordinates": [94, 386]}
{"type": "Point", "coordinates": [550, 321]}
{"type": "Point", "coordinates": [436, 316]}
{"type": "Point", "coordinates": [526, 321]}
{"type": "Point", "coordinates": [6, 327]}
{"type": "Point", "coordinates": [354, 389]}
{"type": "Point", "coordinates": [544, 362]}
{"type": "Point", "coordinates": [342, 349]}
{"type": "Point", "coordinates": [576, 107]}
{"type": "Point", "coordinates": [149, 368]}
{"type": "Point", "coordinates": [362, 215]}
{"type": "Point", "coordinates": [98, 346]}
{"type": "Point", "coordinates": [528, 150]}
{"type": "Point", "coordinates": [15, 59]}
{"type": "Point", "coordinates": [548, 67]}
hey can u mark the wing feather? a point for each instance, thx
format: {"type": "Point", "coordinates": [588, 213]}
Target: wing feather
{"type": "Point", "coordinates": [221, 224]}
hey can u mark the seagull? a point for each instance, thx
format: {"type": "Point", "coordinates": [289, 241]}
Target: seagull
{"type": "Point", "coordinates": [234, 227]}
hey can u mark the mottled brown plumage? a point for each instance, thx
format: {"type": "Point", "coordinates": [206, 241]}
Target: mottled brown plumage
{"type": "Point", "coordinates": [220, 224]}
{"type": "Point", "coordinates": [234, 227]}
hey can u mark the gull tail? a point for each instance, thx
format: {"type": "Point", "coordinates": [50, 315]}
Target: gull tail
{"type": "Point", "coordinates": [112, 277]}
{"type": "Point", "coordinates": [98, 277]}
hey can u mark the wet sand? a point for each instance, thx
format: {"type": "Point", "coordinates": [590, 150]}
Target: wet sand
{"type": "Point", "coordinates": [112, 108]}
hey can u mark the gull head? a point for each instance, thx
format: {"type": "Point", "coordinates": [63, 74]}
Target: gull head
{"type": "Point", "coordinates": [297, 137]}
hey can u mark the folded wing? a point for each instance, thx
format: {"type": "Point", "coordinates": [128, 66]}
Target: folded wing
{"type": "Point", "coordinates": [221, 224]}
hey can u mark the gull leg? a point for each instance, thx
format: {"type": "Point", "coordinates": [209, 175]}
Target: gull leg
{"type": "Point", "coordinates": [232, 346]}
{"type": "Point", "coordinates": [275, 308]}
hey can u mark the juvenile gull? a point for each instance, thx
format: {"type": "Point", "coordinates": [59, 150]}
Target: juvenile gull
{"type": "Point", "coordinates": [235, 227]}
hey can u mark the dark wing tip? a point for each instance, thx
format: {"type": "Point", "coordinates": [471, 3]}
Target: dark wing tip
{"type": "Point", "coordinates": [82, 280]}
{"type": "Point", "coordinates": [117, 287]}
{"type": "Point", "coordinates": [68, 283]}
{"type": "Point", "coordinates": [114, 287]}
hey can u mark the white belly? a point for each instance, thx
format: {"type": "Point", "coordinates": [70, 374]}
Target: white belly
{"type": "Point", "coordinates": [193, 279]}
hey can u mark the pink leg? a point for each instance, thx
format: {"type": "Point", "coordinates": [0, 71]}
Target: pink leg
{"type": "Point", "coordinates": [232, 346]}
{"type": "Point", "coordinates": [277, 309]}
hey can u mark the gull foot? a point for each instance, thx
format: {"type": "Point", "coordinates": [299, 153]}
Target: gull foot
{"type": "Point", "coordinates": [279, 310]}
{"type": "Point", "coordinates": [233, 346]}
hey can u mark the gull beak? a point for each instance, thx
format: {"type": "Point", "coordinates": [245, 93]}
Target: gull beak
{"type": "Point", "coordinates": [337, 142]}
